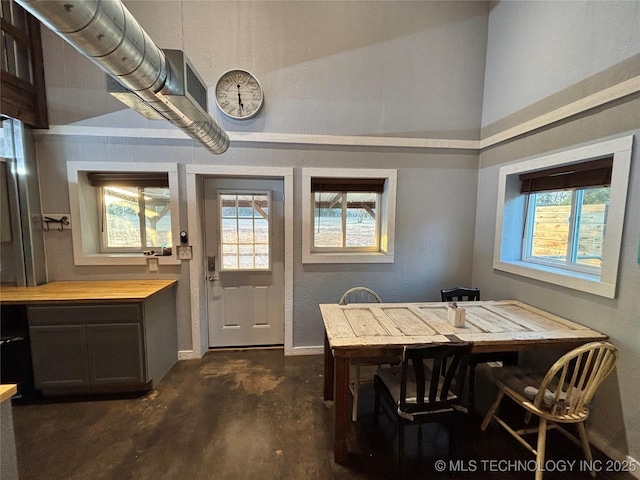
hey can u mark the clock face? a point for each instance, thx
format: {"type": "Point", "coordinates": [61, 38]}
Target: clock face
{"type": "Point", "coordinates": [238, 94]}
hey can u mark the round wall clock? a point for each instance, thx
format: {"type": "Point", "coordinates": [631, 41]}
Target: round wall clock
{"type": "Point", "coordinates": [239, 94]}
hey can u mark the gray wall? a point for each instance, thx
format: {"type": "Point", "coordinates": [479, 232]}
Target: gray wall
{"type": "Point", "coordinates": [405, 69]}
{"type": "Point", "coordinates": [594, 47]}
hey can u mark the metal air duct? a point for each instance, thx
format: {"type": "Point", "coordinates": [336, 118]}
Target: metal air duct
{"type": "Point", "coordinates": [105, 32]}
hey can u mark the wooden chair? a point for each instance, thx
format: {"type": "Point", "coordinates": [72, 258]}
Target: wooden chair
{"type": "Point", "coordinates": [462, 294]}
{"type": "Point", "coordinates": [363, 295]}
{"type": "Point", "coordinates": [560, 396]}
{"type": "Point", "coordinates": [428, 390]}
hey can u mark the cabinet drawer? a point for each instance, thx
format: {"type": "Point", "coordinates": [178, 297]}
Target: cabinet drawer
{"type": "Point", "coordinates": [83, 314]}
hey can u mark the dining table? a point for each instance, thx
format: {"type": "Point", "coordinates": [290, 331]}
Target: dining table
{"type": "Point", "coordinates": [383, 329]}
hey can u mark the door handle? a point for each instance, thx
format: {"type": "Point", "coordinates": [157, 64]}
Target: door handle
{"type": "Point", "coordinates": [213, 279]}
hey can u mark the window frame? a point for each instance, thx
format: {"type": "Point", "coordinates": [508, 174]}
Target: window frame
{"type": "Point", "coordinates": [346, 249]}
{"type": "Point", "coordinates": [141, 221]}
{"type": "Point", "coordinates": [386, 221]}
{"type": "Point", "coordinates": [577, 201]}
{"type": "Point", "coordinates": [83, 200]}
{"type": "Point", "coordinates": [511, 214]}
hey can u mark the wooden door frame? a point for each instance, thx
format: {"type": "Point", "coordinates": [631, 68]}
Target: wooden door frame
{"type": "Point", "coordinates": [197, 275]}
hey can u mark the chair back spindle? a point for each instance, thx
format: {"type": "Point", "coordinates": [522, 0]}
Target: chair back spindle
{"type": "Point", "coordinates": [439, 388]}
{"type": "Point", "coordinates": [460, 294]}
{"type": "Point", "coordinates": [575, 378]}
{"type": "Point", "coordinates": [359, 295]}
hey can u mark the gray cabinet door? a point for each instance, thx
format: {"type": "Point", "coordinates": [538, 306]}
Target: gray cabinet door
{"type": "Point", "coordinates": [59, 356]}
{"type": "Point", "coordinates": [115, 354]}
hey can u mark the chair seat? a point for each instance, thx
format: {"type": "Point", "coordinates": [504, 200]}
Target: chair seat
{"type": "Point", "coordinates": [526, 384]}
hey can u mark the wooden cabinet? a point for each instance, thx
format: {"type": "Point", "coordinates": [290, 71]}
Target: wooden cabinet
{"type": "Point", "coordinates": [99, 336]}
{"type": "Point", "coordinates": [59, 356]}
{"type": "Point", "coordinates": [86, 347]}
{"type": "Point", "coordinates": [115, 354]}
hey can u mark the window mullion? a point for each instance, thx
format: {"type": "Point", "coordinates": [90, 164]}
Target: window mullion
{"type": "Point", "coordinates": [574, 221]}
{"type": "Point", "coordinates": [141, 218]}
{"type": "Point", "coordinates": [577, 219]}
{"type": "Point", "coordinates": [527, 242]}
{"type": "Point", "coordinates": [237, 224]}
{"type": "Point", "coordinates": [378, 233]}
{"type": "Point", "coordinates": [103, 215]}
{"type": "Point", "coordinates": [253, 229]}
{"type": "Point", "coordinates": [344, 220]}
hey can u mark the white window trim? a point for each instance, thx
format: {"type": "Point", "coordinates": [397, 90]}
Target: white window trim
{"type": "Point", "coordinates": [86, 239]}
{"type": "Point", "coordinates": [510, 218]}
{"type": "Point", "coordinates": [387, 217]}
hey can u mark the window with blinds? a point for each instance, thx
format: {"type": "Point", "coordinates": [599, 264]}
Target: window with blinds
{"type": "Point", "coordinates": [346, 213]}
{"type": "Point", "coordinates": [135, 210]}
{"type": "Point", "coordinates": [566, 217]}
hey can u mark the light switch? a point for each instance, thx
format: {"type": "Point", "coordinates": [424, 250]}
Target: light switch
{"type": "Point", "coordinates": [185, 252]}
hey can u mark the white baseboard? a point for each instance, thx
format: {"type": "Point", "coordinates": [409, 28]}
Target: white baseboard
{"type": "Point", "coordinates": [603, 444]}
{"type": "Point", "coordinates": [305, 351]}
{"type": "Point", "coordinates": [635, 472]}
{"type": "Point", "coordinates": [189, 355]}
{"type": "Point", "coordinates": [185, 355]}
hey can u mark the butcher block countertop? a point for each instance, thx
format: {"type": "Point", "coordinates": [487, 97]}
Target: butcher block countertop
{"type": "Point", "coordinates": [85, 291]}
{"type": "Point", "coordinates": [7, 391]}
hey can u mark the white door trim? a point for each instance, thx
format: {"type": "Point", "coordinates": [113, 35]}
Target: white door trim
{"type": "Point", "coordinates": [197, 274]}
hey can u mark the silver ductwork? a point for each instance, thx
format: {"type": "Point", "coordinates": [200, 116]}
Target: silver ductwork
{"type": "Point", "coordinates": [105, 32]}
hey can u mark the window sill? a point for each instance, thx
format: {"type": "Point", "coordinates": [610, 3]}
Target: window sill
{"type": "Point", "coordinates": [123, 259]}
{"type": "Point", "coordinates": [364, 257]}
{"type": "Point", "coordinates": [565, 278]}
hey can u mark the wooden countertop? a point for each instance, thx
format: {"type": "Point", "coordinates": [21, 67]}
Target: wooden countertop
{"type": "Point", "coordinates": [7, 391]}
{"type": "Point", "coordinates": [85, 291]}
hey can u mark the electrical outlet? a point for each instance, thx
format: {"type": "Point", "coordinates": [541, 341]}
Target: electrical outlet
{"type": "Point", "coordinates": [152, 263]}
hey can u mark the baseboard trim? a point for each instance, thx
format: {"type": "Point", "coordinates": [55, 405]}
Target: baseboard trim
{"type": "Point", "coordinates": [603, 444]}
{"type": "Point", "coordinates": [305, 351]}
{"type": "Point", "coordinates": [635, 473]}
{"type": "Point", "coordinates": [185, 355]}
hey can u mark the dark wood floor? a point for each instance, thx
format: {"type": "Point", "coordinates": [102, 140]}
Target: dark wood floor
{"type": "Point", "coordinates": [253, 414]}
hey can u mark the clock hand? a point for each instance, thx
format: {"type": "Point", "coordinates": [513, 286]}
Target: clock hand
{"type": "Point", "coordinates": [240, 99]}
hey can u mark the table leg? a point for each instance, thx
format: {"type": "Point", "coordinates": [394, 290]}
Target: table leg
{"type": "Point", "coordinates": [341, 408]}
{"type": "Point", "coordinates": [328, 370]}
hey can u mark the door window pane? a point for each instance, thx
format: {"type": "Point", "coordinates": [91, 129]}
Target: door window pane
{"type": "Point", "coordinates": [244, 229]}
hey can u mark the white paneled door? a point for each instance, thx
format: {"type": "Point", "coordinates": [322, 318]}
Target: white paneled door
{"type": "Point", "coordinates": [244, 236]}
